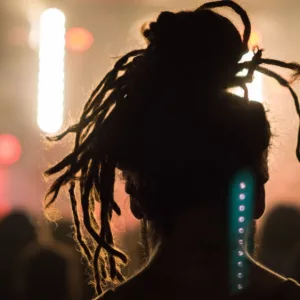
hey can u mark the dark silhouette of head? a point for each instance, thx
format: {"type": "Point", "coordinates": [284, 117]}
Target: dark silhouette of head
{"type": "Point", "coordinates": [164, 117]}
{"type": "Point", "coordinates": [16, 232]}
{"type": "Point", "coordinates": [44, 272]}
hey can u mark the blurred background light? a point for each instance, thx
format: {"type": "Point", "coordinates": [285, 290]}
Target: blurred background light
{"type": "Point", "coordinates": [33, 15]}
{"type": "Point", "coordinates": [79, 39]}
{"type": "Point", "coordinates": [254, 40]}
{"type": "Point", "coordinates": [51, 71]}
{"type": "Point", "coordinates": [256, 86]}
{"type": "Point", "coordinates": [10, 149]}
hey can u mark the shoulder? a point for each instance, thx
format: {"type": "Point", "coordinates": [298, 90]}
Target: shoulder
{"type": "Point", "coordinates": [287, 290]}
{"type": "Point", "coordinates": [290, 289]}
{"type": "Point", "coordinates": [124, 291]}
{"type": "Point", "coordinates": [132, 289]}
{"type": "Point", "coordinates": [108, 295]}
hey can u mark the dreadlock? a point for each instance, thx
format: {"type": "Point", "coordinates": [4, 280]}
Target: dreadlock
{"type": "Point", "coordinates": [91, 165]}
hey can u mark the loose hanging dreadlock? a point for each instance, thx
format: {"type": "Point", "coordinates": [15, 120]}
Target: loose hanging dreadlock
{"type": "Point", "coordinates": [90, 165]}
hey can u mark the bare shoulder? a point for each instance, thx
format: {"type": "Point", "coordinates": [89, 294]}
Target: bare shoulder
{"type": "Point", "coordinates": [124, 291]}
{"type": "Point", "coordinates": [132, 289]}
{"type": "Point", "coordinates": [280, 287]}
{"type": "Point", "coordinates": [292, 288]}
{"type": "Point", "coordinates": [108, 295]}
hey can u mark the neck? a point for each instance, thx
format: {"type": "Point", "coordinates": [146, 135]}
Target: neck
{"type": "Point", "coordinates": [195, 250]}
{"type": "Point", "coordinates": [195, 254]}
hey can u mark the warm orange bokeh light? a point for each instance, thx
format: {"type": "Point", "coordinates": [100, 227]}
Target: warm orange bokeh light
{"type": "Point", "coordinates": [254, 40]}
{"type": "Point", "coordinates": [79, 39]}
{"type": "Point", "coordinates": [10, 149]}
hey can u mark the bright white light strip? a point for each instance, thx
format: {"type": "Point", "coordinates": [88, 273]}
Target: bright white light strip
{"type": "Point", "coordinates": [255, 87]}
{"type": "Point", "coordinates": [51, 70]}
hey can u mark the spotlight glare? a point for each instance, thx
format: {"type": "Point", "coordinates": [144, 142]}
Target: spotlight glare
{"type": "Point", "coordinates": [51, 70]}
{"type": "Point", "coordinates": [255, 87]}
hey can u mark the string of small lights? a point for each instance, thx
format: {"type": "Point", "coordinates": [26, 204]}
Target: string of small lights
{"type": "Point", "coordinates": [240, 216]}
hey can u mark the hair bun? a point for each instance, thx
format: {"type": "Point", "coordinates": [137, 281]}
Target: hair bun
{"type": "Point", "coordinates": [194, 34]}
{"type": "Point", "coordinates": [196, 42]}
{"type": "Point", "coordinates": [160, 30]}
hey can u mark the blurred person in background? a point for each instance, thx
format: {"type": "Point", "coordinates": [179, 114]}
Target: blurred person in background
{"type": "Point", "coordinates": [280, 241]}
{"type": "Point", "coordinates": [16, 232]}
{"type": "Point", "coordinates": [47, 272]}
{"type": "Point", "coordinates": [129, 240]}
{"type": "Point", "coordinates": [164, 120]}
{"type": "Point", "coordinates": [62, 232]}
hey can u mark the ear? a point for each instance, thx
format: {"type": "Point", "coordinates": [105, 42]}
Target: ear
{"type": "Point", "coordinates": [136, 208]}
{"type": "Point", "coordinates": [260, 203]}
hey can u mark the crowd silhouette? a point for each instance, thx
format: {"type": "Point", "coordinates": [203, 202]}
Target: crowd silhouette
{"type": "Point", "coordinates": [37, 265]}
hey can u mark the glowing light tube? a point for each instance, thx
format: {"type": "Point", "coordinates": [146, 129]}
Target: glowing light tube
{"type": "Point", "coordinates": [51, 71]}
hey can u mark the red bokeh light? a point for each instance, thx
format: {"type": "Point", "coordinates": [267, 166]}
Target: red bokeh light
{"type": "Point", "coordinates": [10, 149]}
{"type": "Point", "coordinates": [5, 209]}
{"type": "Point", "coordinates": [79, 39]}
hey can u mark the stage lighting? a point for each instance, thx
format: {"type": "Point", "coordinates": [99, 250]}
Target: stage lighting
{"type": "Point", "coordinates": [79, 39]}
{"type": "Point", "coordinates": [10, 149]}
{"type": "Point", "coordinates": [51, 71]}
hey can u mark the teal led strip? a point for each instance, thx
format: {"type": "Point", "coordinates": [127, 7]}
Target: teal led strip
{"type": "Point", "coordinates": [241, 199]}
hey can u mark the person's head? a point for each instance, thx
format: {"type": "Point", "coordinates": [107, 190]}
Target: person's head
{"type": "Point", "coordinates": [16, 232]}
{"type": "Point", "coordinates": [44, 272]}
{"type": "Point", "coordinates": [165, 118]}
{"type": "Point", "coordinates": [10, 232]}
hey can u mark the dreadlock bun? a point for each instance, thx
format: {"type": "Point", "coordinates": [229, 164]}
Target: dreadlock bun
{"type": "Point", "coordinates": [183, 39]}
{"type": "Point", "coordinates": [162, 28]}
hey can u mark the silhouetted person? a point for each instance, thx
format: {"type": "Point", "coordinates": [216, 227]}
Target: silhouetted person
{"type": "Point", "coordinates": [47, 272]}
{"type": "Point", "coordinates": [280, 240]}
{"type": "Point", "coordinates": [16, 232]}
{"type": "Point", "coordinates": [164, 117]}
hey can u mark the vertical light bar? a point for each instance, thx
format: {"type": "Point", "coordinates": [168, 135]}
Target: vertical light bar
{"type": "Point", "coordinates": [255, 87]}
{"type": "Point", "coordinates": [51, 71]}
{"type": "Point", "coordinates": [241, 199]}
